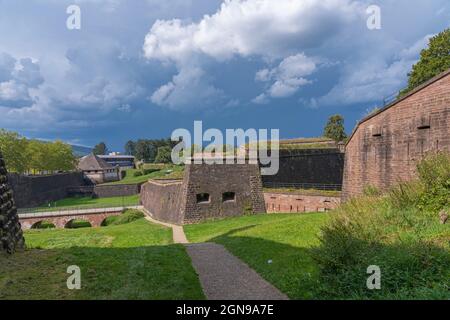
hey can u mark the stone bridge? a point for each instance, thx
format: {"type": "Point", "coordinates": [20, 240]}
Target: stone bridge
{"type": "Point", "coordinates": [61, 219]}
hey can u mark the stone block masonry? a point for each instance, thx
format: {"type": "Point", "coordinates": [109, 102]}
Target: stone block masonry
{"type": "Point", "coordinates": [163, 199]}
{"type": "Point", "coordinates": [206, 191]}
{"type": "Point", "coordinates": [11, 237]}
{"type": "Point", "coordinates": [385, 147]}
{"type": "Point", "coordinates": [33, 191]}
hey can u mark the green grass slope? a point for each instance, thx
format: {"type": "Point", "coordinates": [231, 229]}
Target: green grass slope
{"type": "Point", "coordinates": [89, 202]}
{"type": "Point", "coordinates": [277, 246]}
{"type": "Point", "coordinates": [130, 261]}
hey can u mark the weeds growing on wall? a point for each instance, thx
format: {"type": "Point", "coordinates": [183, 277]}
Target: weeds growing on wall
{"type": "Point", "coordinates": [400, 232]}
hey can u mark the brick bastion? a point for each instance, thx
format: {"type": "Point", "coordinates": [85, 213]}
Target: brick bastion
{"type": "Point", "coordinates": [386, 146]}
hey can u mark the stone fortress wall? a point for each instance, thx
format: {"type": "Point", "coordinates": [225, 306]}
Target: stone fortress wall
{"type": "Point", "coordinates": [33, 191]}
{"type": "Point", "coordinates": [308, 166]}
{"type": "Point", "coordinates": [386, 146]}
{"type": "Point", "coordinates": [11, 237]}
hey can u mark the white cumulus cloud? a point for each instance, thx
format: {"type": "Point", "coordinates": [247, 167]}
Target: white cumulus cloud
{"type": "Point", "coordinates": [269, 29]}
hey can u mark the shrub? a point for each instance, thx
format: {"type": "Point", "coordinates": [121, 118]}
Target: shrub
{"type": "Point", "coordinates": [44, 225]}
{"type": "Point", "coordinates": [434, 174]}
{"type": "Point", "coordinates": [137, 174]}
{"type": "Point", "coordinates": [127, 216]}
{"type": "Point", "coordinates": [400, 232]}
{"type": "Point", "coordinates": [76, 224]}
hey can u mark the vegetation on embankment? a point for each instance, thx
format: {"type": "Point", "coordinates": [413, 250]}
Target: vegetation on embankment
{"type": "Point", "coordinates": [89, 202]}
{"type": "Point", "coordinates": [149, 171]}
{"type": "Point", "coordinates": [308, 192]}
{"type": "Point", "coordinates": [131, 261]}
{"type": "Point", "coordinates": [400, 232]}
{"type": "Point", "coordinates": [127, 216]}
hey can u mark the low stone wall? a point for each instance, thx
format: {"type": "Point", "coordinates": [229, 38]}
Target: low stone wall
{"type": "Point", "coordinates": [163, 200]}
{"type": "Point", "coordinates": [11, 237]}
{"type": "Point", "coordinates": [33, 191]}
{"type": "Point", "coordinates": [292, 202]}
{"type": "Point", "coordinates": [116, 190]}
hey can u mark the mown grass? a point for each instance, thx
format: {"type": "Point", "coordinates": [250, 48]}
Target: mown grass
{"type": "Point", "coordinates": [130, 261]}
{"type": "Point", "coordinates": [88, 202]}
{"type": "Point", "coordinates": [277, 246]}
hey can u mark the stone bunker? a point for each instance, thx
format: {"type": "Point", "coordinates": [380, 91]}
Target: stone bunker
{"type": "Point", "coordinates": [206, 191]}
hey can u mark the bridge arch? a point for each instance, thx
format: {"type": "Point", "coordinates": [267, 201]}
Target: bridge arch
{"type": "Point", "coordinates": [43, 224]}
{"type": "Point", "coordinates": [77, 223]}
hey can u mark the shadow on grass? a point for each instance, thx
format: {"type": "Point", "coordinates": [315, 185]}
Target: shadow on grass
{"type": "Point", "coordinates": [408, 271]}
{"type": "Point", "coordinates": [148, 272]}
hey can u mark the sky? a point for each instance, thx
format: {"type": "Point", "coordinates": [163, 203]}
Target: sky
{"type": "Point", "coordinates": [143, 68]}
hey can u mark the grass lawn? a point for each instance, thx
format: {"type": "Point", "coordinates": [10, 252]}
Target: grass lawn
{"type": "Point", "coordinates": [130, 261]}
{"type": "Point", "coordinates": [284, 239]}
{"type": "Point", "coordinates": [175, 173]}
{"type": "Point", "coordinates": [88, 202]}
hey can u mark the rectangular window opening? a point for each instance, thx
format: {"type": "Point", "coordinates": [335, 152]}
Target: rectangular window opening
{"type": "Point", "coordinates": [228, 196]}
{"type": "Point", "coordinates": [202, 197]}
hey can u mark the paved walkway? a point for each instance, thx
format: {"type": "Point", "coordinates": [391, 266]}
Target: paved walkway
{"type": "Point", "coordinates": [177, 231]}
{"type": "Point", "coordinates": [225, 277]}
{"type": "Point", "coordinates": [222, 275]}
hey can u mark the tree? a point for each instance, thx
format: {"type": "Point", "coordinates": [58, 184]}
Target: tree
{"type": "Point", "coordinates": [61, 157]}
{"type": "Point", "coordinates": [14, 150]}
{"type": "Point", "coordinates": [143, 150]}
{"type": "Point", "coordinates": [100, 149]}
{"type": "Point", "coordinates": [130, 148]}
{"type": "Point", "coordinates": [433, 61]}
{"type": "Point", "coordinates": [164, 155]}
{"type": "Point", "coordinates": [335, 128]}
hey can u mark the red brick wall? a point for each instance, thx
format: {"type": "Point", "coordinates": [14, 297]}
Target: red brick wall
{"type": "Point", "coordinates": [289, 202]}
{"type": "Point", "coordinates": [386, 147]}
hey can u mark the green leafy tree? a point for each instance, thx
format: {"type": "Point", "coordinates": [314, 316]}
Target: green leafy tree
{"type": "Point", "coordinates": [14, 150]}
{"type": "Point", "coordinates": [61, 157]}
{"type": "Point", "coordinates": [100, 149]}
{"type": "Point", "coordinates": [130, 148]}
{"type": "Point", "coordinates": [164, 155]}
{"type": "Point", "coordinates": [433, 61]}
{"type": "Point", "coordinates": [335, 129]}
{"type": "Point", "coordinates": [144, 150]}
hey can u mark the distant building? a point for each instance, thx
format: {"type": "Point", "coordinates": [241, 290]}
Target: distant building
{"type": "Point", "coordinates": [98, 170]}
{"type": "Point", "coordinates": [116, 159]}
